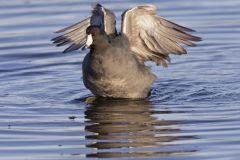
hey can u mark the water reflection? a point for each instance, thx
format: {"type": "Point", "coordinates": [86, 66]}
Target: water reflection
{"type": "Point", "coordinates": [129, 129]}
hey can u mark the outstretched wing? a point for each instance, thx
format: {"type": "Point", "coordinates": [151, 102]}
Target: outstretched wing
{"type": "Point", "coordinates": [75, 35]}
{"type": "Point", "coordinates": [152, 37]}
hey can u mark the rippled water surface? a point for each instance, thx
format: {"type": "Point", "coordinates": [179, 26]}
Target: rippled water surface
{"type": "Point", "coordinates": [193, 112]}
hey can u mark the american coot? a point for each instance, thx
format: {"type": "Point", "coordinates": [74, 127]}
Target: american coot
{"type": "Point", "coordinates": [115, 67]}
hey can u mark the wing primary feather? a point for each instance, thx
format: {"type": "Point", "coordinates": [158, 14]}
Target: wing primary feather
{"type": "Point", "coordinates": [74, 26]}
{"type": "Point", "coordinates": [170, 24]}
{"type": "Point", "coordinates": [74, 47]}
{"type": "Point", "coordinates": [56, 39]}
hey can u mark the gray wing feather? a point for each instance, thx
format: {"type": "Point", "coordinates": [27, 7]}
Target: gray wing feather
{"type": "Point", "coordinates": [75, 35]}
{"type": "Point", "coordinates": [152, 37]}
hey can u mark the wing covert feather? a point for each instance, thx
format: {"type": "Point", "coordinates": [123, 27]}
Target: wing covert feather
{"type": "Point", "coordinates": [154, 38]}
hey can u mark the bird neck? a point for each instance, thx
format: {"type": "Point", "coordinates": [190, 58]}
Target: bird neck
{"type": "Point", "coordinates": [100, 44]}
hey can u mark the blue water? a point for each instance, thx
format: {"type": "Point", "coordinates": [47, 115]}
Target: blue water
{"type": "Point", "coordinates": [193, 112]}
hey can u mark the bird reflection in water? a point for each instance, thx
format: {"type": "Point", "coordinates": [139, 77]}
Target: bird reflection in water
{"type": "Point", "coordinates": [129, 129]}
